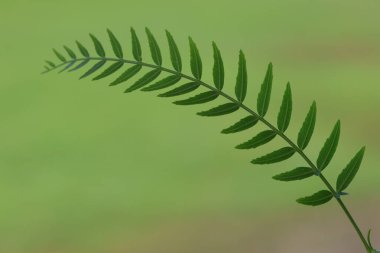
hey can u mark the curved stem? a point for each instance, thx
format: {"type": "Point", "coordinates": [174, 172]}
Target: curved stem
{"type": "Point", "coordinates": [262, 119]}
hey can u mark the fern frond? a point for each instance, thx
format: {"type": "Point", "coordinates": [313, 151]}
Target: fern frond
{"type": "Point", "coordinates": [193, 82]}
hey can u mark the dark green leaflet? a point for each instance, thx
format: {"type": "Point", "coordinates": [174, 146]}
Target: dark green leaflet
{"type": "Point", "coordinates": [118, 51]}
{"type": "Point", "coordinates": [146, 79]}
{"type": "Point", "coordinates": [164, 83]}
{"type": "Point", "coordinates": [307, 128]}
{"type": "Point", "coordinates": [195, 60]}
{"type": "Point", "coordinates": [242, 125]}
{"type": "Point", "coordinates": [46, 68]}
{"type": "Point", "coordinates": [129, 73]}
{"type": "Point", "coordinates": [285, 113]}
{"type": "Point", "coordinates": [183, 89]}
{"type": "Point", "coordinates": [136, 47]}
{"type": "Point", "coordinates": [110, 70]}
{"type": "Point", "coordinates": [276, 156]}
{"type": "Point", "coordinates": [70, 52]}
{"type": "Point", "coordinates": [220, 110]}
{"type": "Point", "coordinates": [329, 148]}
{"type": "Point", "coordinates": [175, 56]}
{"type": "Point", "coordinates": [259, 140]}
{"type": "Point", "coordinates": [265, 92]}
{"type": "Point", "coordinates": [296, 174]}
{"type": "Point", "coordinates": [94, 68]}
{"type": "Point", "coordinates": [69, 65]}
{"type": "Point", "coordinates": [154, 48]}
{"type": "Point", "coordinates": [60, 56]}
{"type": "Point", "coordinates": [241, 80]}
{"type": "Point", "coordinates": [98, 46]}
{"type": "Point", "coordinates": [316, 199]}
{"type": "Point", "coordinates": [50, 63]}
{"type": "Point", "coordinates": [82, 49]}
{"type": "Point", "coordinates": [348, 174]}
{"type": "Point", "coordinates": [83, 63]}
{"type": "Point", "coordinates": [199, 99]}
{"type": "Point", "coordinates": [218, 70]}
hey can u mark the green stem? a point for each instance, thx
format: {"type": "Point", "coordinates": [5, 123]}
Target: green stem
{"type": "Point", "coordinates": [263, 120]}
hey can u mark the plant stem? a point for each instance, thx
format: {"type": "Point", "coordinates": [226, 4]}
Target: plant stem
{"type": "Point", "coordinates": [262, 119]}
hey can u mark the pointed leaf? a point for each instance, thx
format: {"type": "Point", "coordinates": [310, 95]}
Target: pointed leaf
{"type": "Point", "coordinates": [154, 48]}
{"type": "Point", "coordinates": [175, 57]}
{"type": "Point", "coordinates": [164, 83]}
{"type": "Point", "coordinates": [220, 110]}
{"type": "Point", "coordinates": [110, 70]}
{"type": "Point", "coordinates": [183, 89]}
{"type": "Point", "coordinates": [276, 156]}
{"type": "Point", "coordinates": [218, 70]}
{"type": "Point", "coordinates": [129, 73]}
{"type": "Point", "coordinates": [118, 51]}
{"type": "Point", "coordinates": [136, 47]}
{"type": "Point", "coordinates": [146, 79]}
{"type": "Point", "coordinates": [51, 64]}
{"type": "Point", "coordinates": [265, 92]}
{"type": "Point", "coordinates": [241, 80]}
{"type": "Point", "coordinates": [195, 60]}
{"type": "Point", "coordinates": [259, 140]}
{"type": "Point", "coordinates": [98, 46]}
{"type": "Point", "coordinates": [316, 199]}
{"type": "Point", "coordinates": [199, 99]}
{"type": "Point", "coordinates": [329, 148]}
{"type": "Point", "coordinates": [307, 128]}
{"type": "Point", "coordinates": [70, 52]}
{"type": "Point", "coordinates": [80, 65]}
{"type": "Point", "coordinates": [60, 56]}
{"type": "Point", "coordinates": [69, 65]}
{"type": "Point", "coordinates": [296, 174]}
{"type": "Point", "coordinates": [82, 49]}
{"type": "Point", "coordinates": [285, 113]}
{"type": "Point", "coordinates": [348, 174]}
{"type": "Point", "coordinates": [241, 125]}
{"type": "Point", "coordinates": [94, 68]}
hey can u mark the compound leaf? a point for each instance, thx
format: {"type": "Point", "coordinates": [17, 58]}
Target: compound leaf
{"type": "Point", "coordinates": [316, 199]}
{"type": "Point", "coordinates": [259, 140]}
{"type": "Point", "coordinates": [276, 156]}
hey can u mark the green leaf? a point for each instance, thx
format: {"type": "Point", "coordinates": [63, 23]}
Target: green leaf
{"type": "Point", "coordinates": [241, 80]}
{"type": "Point", "coordinates": [60, 56]}
{"type": "Point", "coordinates": [69, 65]}
{"type": "Point", "coordinates": [276, 156]}
{"type": "Point", "coordinates": [307, 128]}
{"type": "Point", "coordinates": [220, 110]}
{"type": "Point", "coordinates": [80, 65]}
{"type": "Point", "coordinates": [199, 99]}
{"type": "Point", "coordinates": [94, 68]}
{"type": "Point", "coordinates": [285, 113]}
{"type": "Point", "coordinates": [265, 92]}
{"type": "Point", "coordinates": [70, 52]}
{"type": "Point", "coordinates": [51, 64]}
{"type": "Point", "coordinates": [348, 174]}
{"type": "Point", "coordinates": [82, 49]}
{"type": "Point", "coordinates": [118, 51]}
{"type": "Point", "coordinates": [259, 140]}
{"type": "Point", "coordinates": [164, 83]}
{"type": "Point", "coordinates": [218, 70]}
{"type": "Point", "coordinates": [329, 148]}
{"type": "Point", "coordinates": [146, 79]}
{"type": "Point", "coordinates": [316, 199]}
{"type": "Point", "coordinates": [136, 47]}
{"type": "Point", "coordinates": [154, 48]}
{"type": "Point", "coordinates": [98, 46]}
{"type": "Point", "coordinates": [296, 174]}
{"type": "Point", "coordinates": [175, 57]}
{"type": "Point", "coordinates": [128, 74]}
{"type": "Point", "coordinates": [183, 89]}
{"type": "Point", "coordinates": [110, 70]}
{"type": "Point", "coordinates": [241, 125]}
{"type": "Point", "coordinates": [195, 60]}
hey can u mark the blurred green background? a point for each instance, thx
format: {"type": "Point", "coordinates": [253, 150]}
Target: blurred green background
{"type": "Point", "coordinates": [87, 168]}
